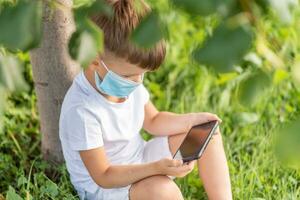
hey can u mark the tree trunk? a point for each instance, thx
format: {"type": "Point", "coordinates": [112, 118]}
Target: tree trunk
{"type": "Point", "coordinates": [53, 72]}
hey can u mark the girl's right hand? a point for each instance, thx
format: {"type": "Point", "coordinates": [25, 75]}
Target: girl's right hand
{"type": "Point", "coordinates": [173, 167]}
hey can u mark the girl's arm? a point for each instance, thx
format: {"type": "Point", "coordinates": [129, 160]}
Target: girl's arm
{"type": "Point", "coordinates": [110, 176]}
{"type": "Point", "coordinates": [168, 123]}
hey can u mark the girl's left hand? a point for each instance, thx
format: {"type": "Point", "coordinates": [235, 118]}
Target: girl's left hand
{"type": "Point", "coordinates": [203, 117]}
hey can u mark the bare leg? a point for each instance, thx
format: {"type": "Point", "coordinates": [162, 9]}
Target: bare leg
{"type": "Point", "coordinates": [155, 187]}
{"type": "Point", "coordinates": [212, 167]}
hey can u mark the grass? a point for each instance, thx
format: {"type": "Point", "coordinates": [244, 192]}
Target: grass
{"type": "Point", "coordinates": [179, 86]}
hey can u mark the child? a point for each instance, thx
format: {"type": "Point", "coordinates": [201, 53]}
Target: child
{"type": "Point", "coordinates": [105, 109]}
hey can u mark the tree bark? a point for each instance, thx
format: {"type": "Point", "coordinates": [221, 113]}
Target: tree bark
{"type": "Point", "coordinates": [53, 72]}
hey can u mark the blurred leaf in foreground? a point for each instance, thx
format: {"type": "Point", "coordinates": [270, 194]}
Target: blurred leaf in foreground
{"type": "Point", "coordinates": [228, 44]}
{"type": "Point", "coordinates": [11, 76]}
{"type": "Point", "coordinates": [150, 31]}
{"type": "Point", "coordinates": [251, 90]}
{"type": "Point", "coordinates": [287, 144]}
{"type": "Point", "coordinates": [203, 7]}
{"type": "Point", "coordinates": [85, 44]}
{"type": "Point", "coordinates": [21, 25]}
{"type": "Point", "coordinates": [87, 41]}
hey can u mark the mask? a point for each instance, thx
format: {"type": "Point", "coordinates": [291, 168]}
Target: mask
{"type": "Point", "coordinates": [114, 84]}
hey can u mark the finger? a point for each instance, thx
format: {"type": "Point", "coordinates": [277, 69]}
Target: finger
{"type": "Point", "coordinates": [211, 116]}
{"type": "Point", "coordinates": [175, 163]}
{"type": "Point", "coordinates": [191, 164]}
{"type": "Point", "coordinates": [184, 168]}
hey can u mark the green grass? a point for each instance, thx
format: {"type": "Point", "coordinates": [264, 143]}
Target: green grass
{"type": "Point", "coordinates": [179, 86]}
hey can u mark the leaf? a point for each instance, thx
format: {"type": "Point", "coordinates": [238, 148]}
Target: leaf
{"type": "Point", "coordinates": [226, 47]}
{"type": "Point", "coordinates": [84, 8]}
{"type": "Point", "coordinates": [11, 76]}
{"type": "Point", "coordinates": [22, 181]}
{"type": "Point", "coordinates": [50, 188]}
{"type": "Point", "coordinates": [149, 31]}
{"type": "Point", "coordinates": [21, 25]}
{"type": "Point", "coordinates": [87, 41]}
{"type": "Point", "coordinates": [12, 195]}
{"type": "Point", "coordinates": [254, 59]}
{"type": "Point", "coordinates": [203, 7]}
{"type": "Point", "coordinates": [85, 45]}
{"type": "Point", "coordinates": [251, 90]}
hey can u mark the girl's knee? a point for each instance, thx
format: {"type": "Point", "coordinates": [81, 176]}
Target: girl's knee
{"type": "Point", "coordinates": [156, 187]}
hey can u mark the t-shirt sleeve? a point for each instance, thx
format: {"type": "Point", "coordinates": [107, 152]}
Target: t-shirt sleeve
{"type": "Point", "coordinates": [145, 94]}
{"type": "Point", "coordinates": [82, 129]}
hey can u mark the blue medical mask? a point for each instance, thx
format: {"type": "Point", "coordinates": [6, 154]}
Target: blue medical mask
{"type": "Point", "coordinates": [114, 84]}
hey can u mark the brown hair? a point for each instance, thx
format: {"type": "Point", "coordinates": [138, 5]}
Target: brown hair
{"type": "Point", "coordinates": [117, 29]}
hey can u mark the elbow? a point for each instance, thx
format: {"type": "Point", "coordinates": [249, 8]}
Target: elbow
{"type": "Point", "coordinates": [104, 183]}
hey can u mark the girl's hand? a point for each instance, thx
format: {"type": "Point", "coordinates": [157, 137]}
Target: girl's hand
{"type": "Point", "coordinates": [173, 167]}
{"type": "Point", "coordinates": [202, 117]}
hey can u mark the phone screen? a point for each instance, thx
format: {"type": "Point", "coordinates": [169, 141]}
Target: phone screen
{"type": "Point", "coordinates": [195, 141]}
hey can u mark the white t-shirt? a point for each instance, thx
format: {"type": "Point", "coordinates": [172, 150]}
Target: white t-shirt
{"type": "Point", "coordinates": [88, 120]}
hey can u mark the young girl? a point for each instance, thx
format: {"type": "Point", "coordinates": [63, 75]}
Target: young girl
{"type": "Point", "coordinates": [105, 109]}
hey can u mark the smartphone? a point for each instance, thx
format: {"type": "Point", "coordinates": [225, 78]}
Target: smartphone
{"type": "Point", "coordinates": [195, 141]}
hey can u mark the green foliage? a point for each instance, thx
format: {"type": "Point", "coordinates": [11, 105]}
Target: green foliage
{"type": "Point", "coordinates": [21, 25]}
{"type": "Point", "coordinates": [149, 31]}
{"type": "Point", "coordinates": [228, 41]}
{"type": "Point", "coordinates": [12, 195]}
{"type": "Point", "coordinates": [11, 74]}
{"type": "Point", "coordinates": [85, 44]}
{"type": "Point", "coordinates": [87, 41]}
{"type": "Point", "coordinates": [202, 7]}
{"type": "Point", "coordinates": [251, 90]}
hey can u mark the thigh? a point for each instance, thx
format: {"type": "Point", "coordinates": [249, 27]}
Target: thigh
{"type": "Point", "coordinates": [155, 187]}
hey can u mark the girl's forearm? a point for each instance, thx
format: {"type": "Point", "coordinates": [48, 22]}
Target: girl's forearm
{"type": "Point", "coordinates": [168, 123]}
{"type": "Point", "coordinates": [123, 175]}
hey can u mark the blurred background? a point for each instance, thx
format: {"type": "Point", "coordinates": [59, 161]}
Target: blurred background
{"type": "Point", "coordinates": [250, 79]}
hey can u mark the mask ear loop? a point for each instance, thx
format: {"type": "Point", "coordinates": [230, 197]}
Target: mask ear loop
{"type": "Point", "coordinates": [104, 65]}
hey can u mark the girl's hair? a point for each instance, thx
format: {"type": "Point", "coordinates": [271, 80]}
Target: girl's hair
{"type": "Point", "coordinates": [117, 29]}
